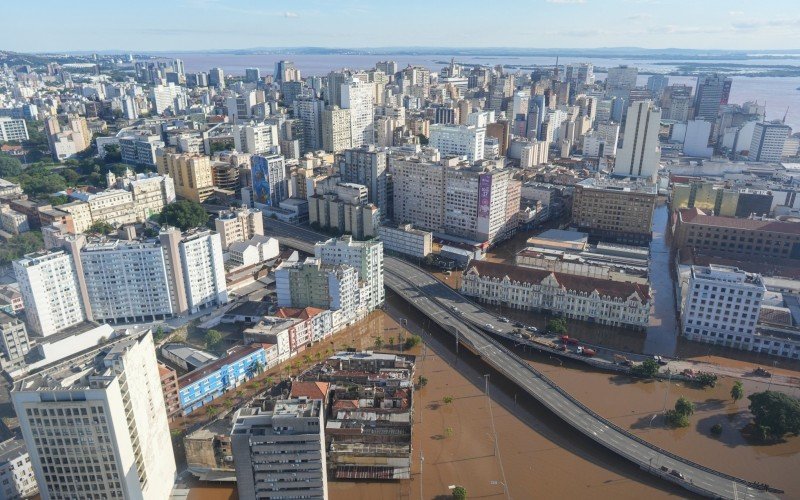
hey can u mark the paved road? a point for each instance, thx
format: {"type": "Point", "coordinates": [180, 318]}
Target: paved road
{"type": "Point", "coordinates": [439, 302]}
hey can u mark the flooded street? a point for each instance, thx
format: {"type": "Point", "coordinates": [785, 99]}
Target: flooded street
{"type": "Point", "coordinates": [662, 333]}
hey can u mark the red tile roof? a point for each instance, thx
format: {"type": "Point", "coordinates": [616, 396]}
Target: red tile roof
{"type": "Point", "coordinates": [700, 218]}
{"type": "Point", "coordinates": [291, 312]}
{"type": "Point", "coordinates": [311, 390]}
{"type": "Point", "coordinates": [617, 289]}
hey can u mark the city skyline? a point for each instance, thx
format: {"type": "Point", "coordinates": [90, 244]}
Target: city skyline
{"type": "Point", "coordinates": [239, 24]}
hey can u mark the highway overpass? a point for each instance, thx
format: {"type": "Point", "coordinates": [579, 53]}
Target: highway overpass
{"type": "Point", "coordinates": [439, 302]}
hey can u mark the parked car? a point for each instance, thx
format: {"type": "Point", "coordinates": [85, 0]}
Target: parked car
{"type": "Point", "coordinates": [502, 319]}
{"type": "Point", "coordinates": [489, 326]}
{"type": "Point", "coordinates": [569, 340]}
{"type": "Point", "coordinates": [532, 329]}
{"type": "Point", "coordinates": [518, 324]}
{"type": "Point", "coordinates": [675, 473]}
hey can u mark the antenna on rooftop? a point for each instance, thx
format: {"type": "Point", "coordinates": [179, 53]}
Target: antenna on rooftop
{"type": "Point", "coordinates": [784, 115]}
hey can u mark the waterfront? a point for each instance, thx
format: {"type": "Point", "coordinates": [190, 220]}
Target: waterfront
{"type": "Point", "coordinates": [779, 93]}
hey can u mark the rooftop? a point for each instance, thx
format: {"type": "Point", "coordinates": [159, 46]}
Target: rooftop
{"type": "Point", "coordinates": [624, 185]}
{"type": "Point", "coordinates": [700, 218]}
{"type": "Point", "coordinates": [11, 449]}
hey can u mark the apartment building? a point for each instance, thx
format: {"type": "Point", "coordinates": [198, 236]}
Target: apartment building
{"type": "Point", "coordinates": [753, 238]}
{"type": "Point", "coordinates": [12, 130]}
{"type": "Point", "coordinates": [312, 284]}
{"type": "Point", "coordinates": [615, 210]}
{"type": "Point", "coordinates": [256, 139]}
{"type": "Point", "coordinates": [239, 225]}
{"type": "Point", "coordinates": [115, 206]}
{"type": "Point", "coordinates": [336, 135]}
{"type": "Point", "coordinates": [279, 450]}
{"type": "Point", "coordinates": [14, 342]}
{"type": "Point", "coordinates": [365, 256]}
{"type": "Point", "coordinates": [16, 471]}
{"type": "Point", "coordinates": [126, 281]}
{"type": "Point", "coordinates": [169, 386]}
{"type": "Point", "coordinates": [95, 424]}
{"type": "Point", "coordinates": [191, 173]}
{"type": "Point", "coordinates": [606, 302]}
{"type": "Point", "coordinates": [140, 149]}
{"type": "Point", "coordinates": [203, 270]}
{"type": "Point", "coordinates": [49, 286]}
{"type": "Point", "coordinates": [366, 165]}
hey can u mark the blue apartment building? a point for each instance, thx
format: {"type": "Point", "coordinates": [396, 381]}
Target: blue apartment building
{"type": "Point", "coordinates": [200, 387]}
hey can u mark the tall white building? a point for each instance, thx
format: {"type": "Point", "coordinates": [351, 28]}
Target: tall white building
{"type": "Point", "coordinates": [722, 306]}
{"type": "Point", "coordinates": [13, 130]}
{"type": "Point", "coordinates": [768, 141]}
{"type": "Point", "coordinates": [640, 153]}
{"type": "Point", "coordinates": [365, 256]}
{"type": "Point", "coordinates": [256, 139]}
{"type": "Point", "coordinates": [203, 270]}
{"type": "Point", "coordinates": [279, 451]}
{"type": "Point", "coordinates": [358, 97]}
{"type": "Point", "coordinates": [96, 426]}
{"type": "Point", "coordinates": [621, 78]}
{"type": "Point", "coordinates": [336, 134]}
{"type": "Point", "coordinates": [168, 96]}
{"type": "Point", "coordinates": [239, 225]}
{"type": "Point", "coordinates": [49, 286]}
{"type": "Point", "coordinates": [126, 281]}
{"type": "Point", "coordinates": [309, 111]}
{"type": "Point", "coordinates": [458, 140]}
{"type": "Point", "coordinates": [312, 284]}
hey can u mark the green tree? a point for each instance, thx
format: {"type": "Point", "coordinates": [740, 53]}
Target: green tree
{"type": "Point", "coordinates": [422, 381]}
{"type": "Point", "coordinates": [737, 391]}
{"type": "Point", "coordinates": [159, 335]}
{"type": "Point", "coordinates": [20, 245]}
{"type": "Point", "coordinates": [211, 411]}
{"type": "Point", "coordinates": [459, 493]}
{"type": "Point", "coordinates": [716, 429]}
{"type": "Point", "coordinates": [184, 214]}
{"type": "Point", "coordinates": [647, 369]}
{"type": "Point", "coordinates": [679, 417]}
{"type": "Point", "coordinates": [705, 379]}
{"type": "Point", "coordinates": [447, 400]}
{"type": "Point", "coordinates": [775, 413]}
{"type": "Point", "coordinates": [448, 432]}
{"type": "Point", "coordinates": [557, 326]}
{"type": "Point", "coordinates": [213, 339]}
{"type": "Point", "coordinates": [9, 166]}
{"type": "Point", "coordinates": [378, 342]}
{"type": "Point", "coordinates": [412, 341]}
{"type": "Point", "coordinates": [38, 181]}
{"type": "Point", "coordinates": [113, 153]}
{"type": "Point", "coordinates": [100, 227]}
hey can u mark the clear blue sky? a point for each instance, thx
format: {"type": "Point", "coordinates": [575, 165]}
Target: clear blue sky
{"type": "Point", "coordinates": [149, 25]}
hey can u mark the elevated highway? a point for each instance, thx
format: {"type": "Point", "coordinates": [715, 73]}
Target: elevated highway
{"type": "Point", "coordinates": [457, 315]}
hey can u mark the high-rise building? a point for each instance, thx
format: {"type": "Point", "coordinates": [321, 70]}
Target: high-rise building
{"type": "Point", "coordinates": [126, 281]}
{"type": "Point", "coordinates": [270, 185]}
{"type": "Point", "coordinates": [279, 450]}
{"type": "Point", "coordinates": [309, 110]}
{"type": "Point", "coordinates": [14, 342]}
{"type": "Point", "coordinates": [640, 153]}
{"type": "Point", "coordinates": [16, 471]}
{"type": "Point", "coordinates": [656, 85]}
{"type": "Point", "coordinates": [256, 139]}
{"type": "Point", "coordinates": [366, 165]}
{"type": "Point", "coordinates": [358, 98]}
{"type": "Point", "coordinates": [365, 256]}
{"type": "Point", "coordinates": [458, 140]}
{"type": "Point", "coordinates": [313, 284]}
{"type": "Point", "coordinates": [252, 75]}
{"type": "Point", "coordinates": [722, 306]}
{"type": "Point", "coordinates": [621, 78]}
{"type": "Point", "coordinates": [13, 130]}
{"type": "Point", "coordinates": [49, 286]}
{"type": "Point", "coordinates": [239, 225]}
{"type": "Point", "coordinates": [768, 141]}
{"type": "Point", "coordinates": [168, 97]}
{"type": "Point", "coordinates": [711, 92]}
{"type": "Point", "coordinates": [203, 270]}
{"type": "Point", "coordinates": [216, 78]}
{"type": "Point", "coordinates": [95, 424]}
{"type": "Point", "coordinates": [191, 173]}
{"type": "Point", "coordinates": [336, 134]}
{"type": "Point", "coordinates": [285, 71]}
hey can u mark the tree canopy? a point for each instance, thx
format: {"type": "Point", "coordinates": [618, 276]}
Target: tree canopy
{"type": "Point", "coordinates": [184, 214]}
{"type": "Point", "coordinates": [557, 326]}
{"type": "Point", "coordinates": [776, 414]}
{"type": "Point", "coordinates": [9, 167]}
{"type": "Point", "coordinates": [19, 245]}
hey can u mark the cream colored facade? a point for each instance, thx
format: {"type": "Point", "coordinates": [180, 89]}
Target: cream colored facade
{"type": "Point", "coordinates": [336, 134]}
{"type": "Point", "coordinates": [578, 297]}
{"type": "Point", "coordinates": [81, 214]}
{"type": "Point", "coordinates": [239, 225]}
{"type": "Point", "coordinates": [191, 174]}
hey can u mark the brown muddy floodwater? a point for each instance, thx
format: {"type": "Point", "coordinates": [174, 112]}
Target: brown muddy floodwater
{"type": "Point", "coordinates": [540, 456]}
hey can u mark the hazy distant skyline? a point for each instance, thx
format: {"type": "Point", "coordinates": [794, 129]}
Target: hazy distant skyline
{"type": "Point", "coordinates": [176, 25]}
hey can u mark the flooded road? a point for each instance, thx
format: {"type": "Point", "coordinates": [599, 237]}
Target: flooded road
{"type": "Point", "coordinates": [662, 333]}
